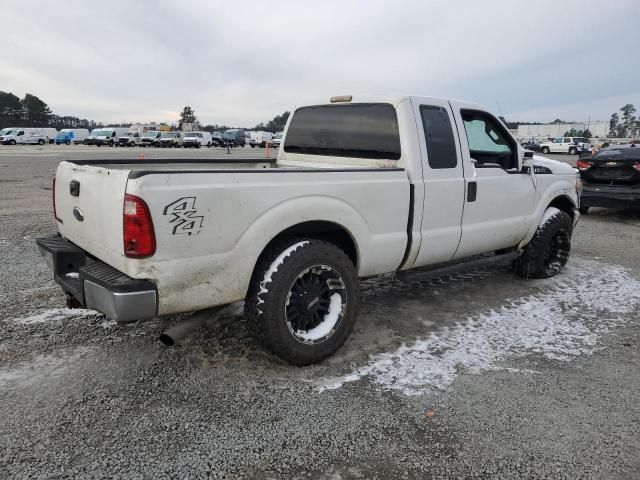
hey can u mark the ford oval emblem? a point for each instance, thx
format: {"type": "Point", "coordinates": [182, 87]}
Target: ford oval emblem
{"type": "Point", "coordinates": [78, 214]}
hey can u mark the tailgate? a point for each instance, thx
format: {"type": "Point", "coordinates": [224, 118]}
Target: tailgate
{"type": "Point", "coordinates": [89, 202]}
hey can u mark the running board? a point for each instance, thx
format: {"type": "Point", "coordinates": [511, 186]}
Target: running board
{"type": "Point", "coordinates": [449, 268]}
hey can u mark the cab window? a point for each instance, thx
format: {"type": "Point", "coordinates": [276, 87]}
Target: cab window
{"type": "Point", "coordinates": [557, 140]}
{"type": "Point", "coordinates": [438, 135]}
{"type": "Point", "coordinates": [489, 143]}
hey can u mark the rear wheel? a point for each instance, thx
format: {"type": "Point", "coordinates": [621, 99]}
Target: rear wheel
{"type": "Point", "coordinates": [573, 151]}
{"type": "Point", "coordinates": [544, 149]}
{"type": "Point", "coordinates": [303, 300]}
{"type": "Point", "coordinates": [68, 142]}
{"type": "Point", "coordinates": [40, 142]}
{"type": "Point", "coordinates": [548, 251]}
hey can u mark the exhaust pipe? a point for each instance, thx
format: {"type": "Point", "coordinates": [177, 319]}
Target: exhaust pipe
{"type": "Point", "coordinates": [182, 329]}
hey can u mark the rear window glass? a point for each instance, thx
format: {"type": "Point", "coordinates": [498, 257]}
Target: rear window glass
{"type": "Point", "coordinates": [438, 134]}
{"type": "Point", "coordinates": [620, 153]}
{"type": "Point", "coordinates": [358, 130]}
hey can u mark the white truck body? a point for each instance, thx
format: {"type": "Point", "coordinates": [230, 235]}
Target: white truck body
{"type": "Point", "coordinates": [408, 204]}
{"type": "Point", "coordinates": [197, 139]}
{"type": "Point", "coordinates": [25, 135]}
{"type": "Point", "coordinates": [260, 139]}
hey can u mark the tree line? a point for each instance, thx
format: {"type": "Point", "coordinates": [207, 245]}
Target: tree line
{"type": "Point", "coordinates": [276, 124]}
{"type": "Point", "coordinates": [31, 111]}
{"type": "Point", "coordinates": [626, 125]}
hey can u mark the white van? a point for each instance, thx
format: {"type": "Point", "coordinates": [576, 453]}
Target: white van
{"type": "Point", "coordinates": [197, 139]}
{"type": "Point", "coordinates": [109, 135]}
{"type": "Point", "coordinates": [24, 136]}
{"type": "Point", "coordinates": [260, 139]}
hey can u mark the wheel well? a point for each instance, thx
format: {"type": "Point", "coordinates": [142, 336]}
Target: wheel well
{"type": "Point", "coordinates": [321, 230]}
{"type": "Point", "coordinates": [565, 204]}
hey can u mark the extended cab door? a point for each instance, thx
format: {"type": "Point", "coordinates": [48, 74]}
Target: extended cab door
{"type": "Point", "coordinates": [499, 199]}
{"type": "Point", "coordinates": [443, 181]}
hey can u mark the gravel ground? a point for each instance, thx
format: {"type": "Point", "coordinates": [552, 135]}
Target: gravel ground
{"type": "Point", "coordinates": [479, 374]}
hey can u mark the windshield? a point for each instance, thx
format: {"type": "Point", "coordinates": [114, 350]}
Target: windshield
{"type": "Point", "coordinates": [103, 134]}
{"type": "Point", "coordinates": [168, 134]}
{"type": "Point", "coordinates": [150, 134]}
{"type": "Point", "coordinates": [10, 132]}
{"type": "Point", "coordinates": [230, 134]}
{"type": "Point", "coordinates": [278, 135]}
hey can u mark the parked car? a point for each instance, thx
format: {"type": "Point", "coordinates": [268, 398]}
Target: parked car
{"type": "Point", "coordinates": [171, 139]}
{"type": "Point", "coordinates": [570, 145]}
{"type": "Point", "coordinates": [611, 178]}
{"type": "Point", "coordinates": [260, 139]}
{"type": "Point", "coordinates": [531, 145]}
{"type": "Point", "coordinates": [129, 139]}
{"type": "Point", "coordinates": [71, 135]}
{"type": "Point", "coordinates": [234, 137]}
{"type": "Point", "coordinates": [197, 139]}
{"type": "Point", "coordinates": [24, 136]}
{"type": "Point", "coordinates": [357, 190]}
{"type": "Point", "coordinates": [109, 136]}
{"type": "Point", "coordinates": [150, 138]}
{"type": "Point", "coordinates": [277, 139]}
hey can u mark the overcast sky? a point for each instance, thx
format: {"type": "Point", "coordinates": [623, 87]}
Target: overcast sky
{"type": "Point", "coordinates": [239, 63]}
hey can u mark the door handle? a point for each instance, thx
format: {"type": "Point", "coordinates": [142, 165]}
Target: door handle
{"type": "Point", "coordinates": [472, 191]}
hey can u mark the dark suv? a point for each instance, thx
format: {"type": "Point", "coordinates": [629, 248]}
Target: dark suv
{"type": "Point", "coordinates": [611, 178]}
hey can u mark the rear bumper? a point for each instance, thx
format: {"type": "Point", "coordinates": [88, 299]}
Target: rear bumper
{"type": "Point", "coordinates": [95, 284]}
{"type": "Point", "coordinates": [609, 196]}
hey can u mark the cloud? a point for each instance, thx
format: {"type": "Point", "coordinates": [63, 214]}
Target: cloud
{"type": "Point", "coordinates": [239, 64]}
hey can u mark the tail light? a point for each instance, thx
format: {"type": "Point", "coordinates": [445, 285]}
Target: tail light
{"type": "Point", "coordinates": [637, 166]}
{"type": "Point", "coordinates": [582, 165]}
{"type": "Point", "coordinates": [138, 236]}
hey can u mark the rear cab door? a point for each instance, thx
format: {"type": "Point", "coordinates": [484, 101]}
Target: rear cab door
{"type": "Point", "coordinates": [444, 183]}
{"type": "Point", "coordinates": [500, 198]}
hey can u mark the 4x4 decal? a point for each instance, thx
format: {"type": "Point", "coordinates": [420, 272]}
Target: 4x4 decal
{"type": "Point", "coordinates": [184, 216]}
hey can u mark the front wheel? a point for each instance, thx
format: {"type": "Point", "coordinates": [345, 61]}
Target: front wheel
{"type": "Point", "coordinates": [544, 150]}
{"type": "Point", "coordinates": [548, 251]}
{"type": "Point", "coordinates": [40, 142]}
{"type": "Point", "coordinates": [573, 151]}
{"type": "Point", "coordinates": [303, 300]}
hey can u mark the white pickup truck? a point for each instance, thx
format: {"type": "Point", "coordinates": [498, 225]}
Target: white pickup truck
{"type": "Point", "coordinates": [361, 186]}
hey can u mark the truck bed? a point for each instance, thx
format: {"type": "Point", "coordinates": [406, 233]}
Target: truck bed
{"type": "Point", "coordinates": [213, 218]}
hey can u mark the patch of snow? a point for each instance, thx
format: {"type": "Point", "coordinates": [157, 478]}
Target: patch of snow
{"type": "Point", "coordinates": [273, 268]}
{"type": "Point", "coordinates": [548, 213]}
{"type": "Point", "coordinates": [56, 314]}
{"type": "Point", "coordinates": [561, 323]}
{"type": "Point", "coordinates": [73, 275]}
{"type": "Point", "coordinates": [329, 321]}
{"type": "Point", "coordinates": [42, 368]}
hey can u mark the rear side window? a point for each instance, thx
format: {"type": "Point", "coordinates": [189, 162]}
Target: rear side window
{"type": "Point", "coordinates": [438, 135]}
{"type": "Point", "coordinates": [357, 130]}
